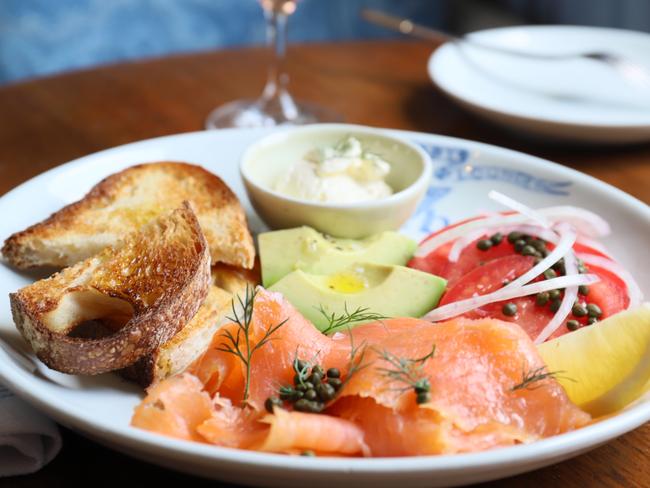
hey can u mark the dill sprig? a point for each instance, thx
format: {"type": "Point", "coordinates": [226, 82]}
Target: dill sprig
{"type": "Point", "coordinates": [531, 378]}
{"type": "Point", "coordinates": [408, 371]}
{"type": "Point", "coordinates": [355, 363]}
{"type": "Point", "coordinates": [240, 344]}
{"type": "Point", "coordinates": [347, 318]}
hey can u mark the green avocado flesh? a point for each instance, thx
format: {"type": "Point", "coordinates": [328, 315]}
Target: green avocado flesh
{"type": "Point", "coordinates": [284, 251]}
{"type": "Point", "coordinates": [389, 290]}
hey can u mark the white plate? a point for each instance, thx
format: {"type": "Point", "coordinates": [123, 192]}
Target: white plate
{"type": "Point", "coordinates": [576, 100]}
{"type": "Point", "coordinates": [100, 407]}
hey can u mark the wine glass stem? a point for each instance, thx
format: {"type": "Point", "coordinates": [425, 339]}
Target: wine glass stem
{"type": "Point", "coordinates": [275, 94]}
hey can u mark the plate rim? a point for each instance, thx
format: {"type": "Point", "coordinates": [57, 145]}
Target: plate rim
{"type": "Point", "coordinates": [434, 61]}
{"type": "Point", "coordinates": [142, 441]}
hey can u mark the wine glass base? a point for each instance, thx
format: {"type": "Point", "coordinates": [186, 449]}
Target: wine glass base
{"type": "Point", "coordinates": [250, 114]}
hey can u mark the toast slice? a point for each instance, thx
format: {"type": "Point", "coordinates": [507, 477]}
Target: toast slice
{"type": "Point", "coordinates": [192, 340]}
{"type": "Point", "coordinates": [235, 280]}
{"type": "Point", "coordinates": [123, 202]}
{"type": "Point", "coordinates": [187, 345]}
{"type": "Point", "coordinates": [146, 288]}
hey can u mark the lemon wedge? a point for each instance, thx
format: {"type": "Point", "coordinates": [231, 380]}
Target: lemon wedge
{"type": "Point", "coordinates": [605, 366]}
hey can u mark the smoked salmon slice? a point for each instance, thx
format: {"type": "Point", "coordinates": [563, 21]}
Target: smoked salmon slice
{"type": "Point", "coordinates": [488, 387]}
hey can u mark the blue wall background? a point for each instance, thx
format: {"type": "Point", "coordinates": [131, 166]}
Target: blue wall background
{"type": "Point", "coordinates": [40, 37]}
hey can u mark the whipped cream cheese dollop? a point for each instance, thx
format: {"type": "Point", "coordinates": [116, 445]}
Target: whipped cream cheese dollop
{"type": "Point", "coordinates": [344, 173]}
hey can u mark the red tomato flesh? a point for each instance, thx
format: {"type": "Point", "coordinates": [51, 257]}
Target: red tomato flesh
{"type": "Point", "coordinates": [479, 272]}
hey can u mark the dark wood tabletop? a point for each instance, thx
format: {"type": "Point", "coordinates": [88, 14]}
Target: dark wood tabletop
{"type": "Point", "coordinates": [46, 122]}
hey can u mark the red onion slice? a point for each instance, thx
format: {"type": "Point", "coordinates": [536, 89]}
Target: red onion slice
{"type": "Point", "coordinates": [570, 295]}
{"type": "Point", "coordinates": [584, 221]}
{"type": "Point", "coordinates": [459, 246]}
{"type": "Point", "coordinates": [633, 289]}
{"type": "Point", "coordinates": [463, 306]}
{"type": "Point", "coordinates": [563, 247]}
{"type": "Point", "coordinates": [519, 207]}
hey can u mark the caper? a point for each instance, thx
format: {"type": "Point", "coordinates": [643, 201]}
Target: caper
{"type": "Point", "coordinates": [272, 402]}
{"type": "Point", "coordinates": [335, 382]}
{"type": "Point", "coordinates": [307, 385]}
{"type": "Point", "coordinates": [287, 393]}
{"type": "Point", "coordinates": [554, 294]}
{"type": "Point", "coordinates": [555, 305]}
{"type": "Point", "coordinates": [304, 405]}
{"type": "Point", "coordinates": [505, 282]}
{"type": "Point", "coordinates": [519, 245]}
{"type": "Point", "coordinates": [579, 310]}
{"type": "Point", "coordinates": [308, 453]}
{"type": "Point", "coordinates": [315, 378]}
{"type": "Point", "coordinates": [325, 391]}
{"type": "Point", "coordinates": [496, 238]}
{"type": "Point", "coordinates": [583, 290]}
{"type": "Point", "coordinates": [550, 273]}
{"type": "Point", "coordinates": [484, 244]}
{"type": "Point", "coordinates": [318, 370]}
{"type": "Point", "coordinates": [572, 324]}
{"type": "Point", "coordinates": [559, 266]}
{"type": "Point", "coordinates": [539, 245]}
{"type": "Point", "coordinates": [542, 298]}
{"type": "Point", "coordinates": [514, 236]}
{"type": "Point", "coordinates": [300, 365]}
{"type": "Point", "coordinates": [301, 405]}
{"type": "Point", "coordinates": [509, 309]}
{"type": "Point", "coordinates": [592, 320]}
{"type": "Point", "coordinates": [536, 261]}
{"type": "Point", "coordinates": [333, 373]}
{"type": "Point", "coordinates": [422, 385]}
{"type": "Point", "coordinates": [422, 397]}
{"type": "Point", "coordinates": [594, 310]}
{"type": "Point", "coordinates": [529, 250]}
{"type": "Point", "coordinates": [311, 395]}
{"type": "Point", "coordinates": [316, 407]}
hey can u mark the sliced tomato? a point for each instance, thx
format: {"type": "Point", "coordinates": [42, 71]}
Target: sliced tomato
{"type": "Point", "coordinates": [610, 293]}
{"type": "Point", "coordinates": [490, 277]}
{"type": "Point", "coordinates": [438, 264]}
{"type": "Point", "coordinates": [487, 278]}
{"type": "Point", "coordinates": [479, 272]}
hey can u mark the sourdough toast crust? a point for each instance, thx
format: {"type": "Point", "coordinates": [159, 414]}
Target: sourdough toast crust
{"type": "Point", "coordinates": [125, 201]}
{"type": "Point", "coordinates": [152, 282]}
{"type": "Point", "coordinates": [187, 345]}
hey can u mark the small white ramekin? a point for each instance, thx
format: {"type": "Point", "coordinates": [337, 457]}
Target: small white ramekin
{"type": "Point", "coordinates": [267, 159]}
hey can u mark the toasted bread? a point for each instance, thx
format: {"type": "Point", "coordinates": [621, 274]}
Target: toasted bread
{"type": "Point", "coordinates": [187, 345]}
{"type": "Point", "coordinates": [125, 201]}
{"type": "Point", "coordinates": [192, 340]}
{"type": "Point", "coordinates": [236, 280]}
{"type": "Point", "coordinates": [149, 286]}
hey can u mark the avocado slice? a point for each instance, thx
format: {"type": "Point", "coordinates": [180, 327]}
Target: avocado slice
{"type": "Point", "coordinates": [284, 251]}
{"type": "Point", "coordinates": [389, 290]}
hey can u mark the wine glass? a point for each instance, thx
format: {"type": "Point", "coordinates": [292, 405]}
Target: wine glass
{"type": "Point", "coordinates": [275, 106]}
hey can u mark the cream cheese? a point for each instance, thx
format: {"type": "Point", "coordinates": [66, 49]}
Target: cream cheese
{"type": "Point", "coordinates": [344, 173]}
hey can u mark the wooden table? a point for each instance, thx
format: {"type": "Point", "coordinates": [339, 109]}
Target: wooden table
{"type": "Point", "coordinates": [50, 121]}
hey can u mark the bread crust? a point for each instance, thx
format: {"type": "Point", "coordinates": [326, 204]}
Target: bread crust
{"type": "Point", "coordinates": [186, 346]}
{"type": "Point", "coordinates": [162, 273]}
{"type": "Point", "coordinates": [124, 201]}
